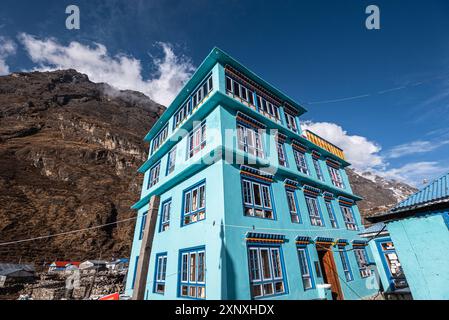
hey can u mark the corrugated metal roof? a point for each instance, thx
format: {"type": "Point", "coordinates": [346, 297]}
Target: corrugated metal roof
{"type": "Point", "coordinates": [375, 228]}
{"type": "Point", "coordinates": [8, 268]}
{"type": "Point", "coordinates": [434, 191]}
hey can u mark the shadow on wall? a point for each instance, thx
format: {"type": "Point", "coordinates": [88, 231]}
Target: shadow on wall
{"type": "Point", "coordinates": [228, 271]}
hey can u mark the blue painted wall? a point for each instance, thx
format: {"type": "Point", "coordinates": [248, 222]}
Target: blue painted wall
{"type": "Point", "coordinates": [422, 243]}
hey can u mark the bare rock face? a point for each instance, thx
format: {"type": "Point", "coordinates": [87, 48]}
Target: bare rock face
{"type": "Point", "coordinates": [379, 194]}
{"type": "Point", "coordinates": [69, 153]}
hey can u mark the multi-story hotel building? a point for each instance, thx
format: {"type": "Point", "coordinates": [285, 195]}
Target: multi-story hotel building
{"type": "Point", "coordinates": [251, 206]}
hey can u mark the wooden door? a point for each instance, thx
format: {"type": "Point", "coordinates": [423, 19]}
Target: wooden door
{"type": "Point", "coordinates": [329, 271]}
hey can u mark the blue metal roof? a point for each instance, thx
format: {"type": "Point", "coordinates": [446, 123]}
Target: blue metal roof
{"type": "Point", "coordinates": [375, 228]}
{"type": "Point", "coordinates": [436, 190]}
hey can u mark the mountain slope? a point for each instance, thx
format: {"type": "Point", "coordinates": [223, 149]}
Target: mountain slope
{"type": "Point", "coordinates": [69, 151]}
{"type": "Point", "coordinates": [379, 194]}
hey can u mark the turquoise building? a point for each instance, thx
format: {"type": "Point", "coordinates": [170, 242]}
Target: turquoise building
{"type": "Point", "coordinates": [389, 269]}
{"type": "Point", "coordinates": [251, 207]}
{"type": "Point", "coordinates": [419, 229]}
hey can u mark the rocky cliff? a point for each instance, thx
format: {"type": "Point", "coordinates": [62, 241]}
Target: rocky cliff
{"type": "Point", "coordinates": [69, 150]}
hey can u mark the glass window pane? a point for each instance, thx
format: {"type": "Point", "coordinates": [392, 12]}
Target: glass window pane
{"type": "Point", "coordinates": [193, 267]}
{"type": "Point", "coordinates": [265, 261]}
{"type": "Point", "coordinates": [257, 194]}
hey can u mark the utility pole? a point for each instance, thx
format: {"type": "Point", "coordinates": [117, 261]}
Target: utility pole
{"type": "Point", "coordinates": [145, 249]}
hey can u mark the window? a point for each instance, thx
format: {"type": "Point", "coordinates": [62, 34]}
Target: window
{"type": "Point", "coordinates": [160, 274]}
{"type": "Point", "coordinates": [238, 90]}
{"type": "Point", "coordinates": [319, 173]}
{"type": "Point", "coordinates": [193, 101]}
{"type": "Point", "coordinates": [197, 140]}
{"type": "Point", "coordinates": [301, 163]}
{"type": "Point", "coordinates": [330, 212]}
{"type": "Point", "coordinates": [345, 264]}
{"type": "Point", "coordinates": [266, 271]}
{"type": "Point", "coordinates": [314, 212]}
{"type": "Point", "coordinates": [193, 274]}
{"type": "Point", "coordinates": [159, 139]}
{"type": "Point", "coordinates": [304, 264]}
{"type": "Point", "coordinates": [194, 204]}
{"type": "Point", "coordinates": [257, 199]}
{"type": "Point", "coordinates": [348, 217]}
{"type": "Point", "coordinates": [282, 155]}
{"type": "Point", "coordinates": [250, 140]}
{"type": "Point", "coordinates": [171, 160]}
{"type": "Point", "coordinates": [182, 113]}
{"type": "Point", "coordinates": [268, 109]}
{"type": "Point", "coordinates": [142, 225]}
{"type": "Point", "coordinates": [362, 262]}
{"type": "Point", "coordinates": [292, 206]}
{"type": "Point", "coordinates": [165, 216]}
{"type": "Point", "coordinates": [291, 122]}
{"type": "Point", "coordinates": [154, 175]}
{"type": "Point", "coordinates": [336, 177]}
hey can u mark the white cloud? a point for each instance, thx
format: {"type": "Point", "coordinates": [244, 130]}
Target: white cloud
{"type": "Point", "coordinates": [120, 71]}
{"type": "Point", "coordinates": [7, 48]}
{"type": "Point", "coordinates": [362, 153]}
{"type": "Point", "coordinates": [415, 173]}
{"type": "Point", "coordinates": [419, 146]}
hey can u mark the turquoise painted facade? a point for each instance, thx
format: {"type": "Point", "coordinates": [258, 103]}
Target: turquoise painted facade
{"type": "Point", "coordinates": [389, 269]}
{"type": "Point", "coordinates": [419, 228]}
{"type": "Point", "coordinates": [230, 232]}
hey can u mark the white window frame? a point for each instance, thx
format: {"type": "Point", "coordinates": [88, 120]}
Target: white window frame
{"type": "Point", "coordinates": [262, 280]}
{"type": "Point", "coordinates": [304, 265]}
{"type": "Point", "coordinates": [266, 203]}
{"type": "Point", "coordinates": [346, 265]}
{"type": "Point", "coordinates": [196, 140]}
{"type": "Point", "coordinates": [331, 213]}
{"type": "Point", "coordinates": [319, 172]}
{"type": "Point", "coordinates": [313, 208]}
{"type": "Point", "coordinates": [197, 213]}
{"type": "Point", "coordinates": [159, 139]}
{"type": "Point", "coordinates": [282, 156]}
{"type": "Point", "coordinates": [161, 273]}
{"type": "Point", "coordinates": [187, 271]}
{"type": "Point", "coordinates": [153, 176]}
{"type": "Point", "coordinates": [291, 122]}
{"type": "Point", "coordinates": [250, 140]}
{"type": "Point", "coordinates": [362, 261]}
{"type": "Point", "coordinates": [348, 216]}
{"type": "Point", "coordinates": [292, 206]}
{"type": "Point", "coordinates": [165, 215]}
{"type": "Point", "coordinates": [336, 177]}
{"type": "Point", "coordinates": [171, 160]}
{"type": "Point", "coordinates": [301, 162]}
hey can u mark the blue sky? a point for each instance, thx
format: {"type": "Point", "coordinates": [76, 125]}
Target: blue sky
{"type": "Point", "coordinates": [382, 95]}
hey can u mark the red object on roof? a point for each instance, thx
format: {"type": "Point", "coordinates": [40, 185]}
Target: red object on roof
{"type": "Point", "coordinates": [63, 264]}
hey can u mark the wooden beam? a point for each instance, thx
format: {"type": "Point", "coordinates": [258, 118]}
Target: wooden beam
{"type": "Point", "coordinates": [145, 249]}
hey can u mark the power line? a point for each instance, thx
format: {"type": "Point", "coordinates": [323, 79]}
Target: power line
{"type": "Point", "coordinates": [67, 232]}
{"type": "Point", "coordinates": [381, 92]}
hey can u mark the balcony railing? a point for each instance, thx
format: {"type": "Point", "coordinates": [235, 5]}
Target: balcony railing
{"type": "Point", "coordinates": [326, 145]}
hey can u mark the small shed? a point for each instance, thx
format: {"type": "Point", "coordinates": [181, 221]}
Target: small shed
{"type": "Point", "coordinates": [15, 273]}
{"type": "Point", "coordinates": [98, 265]}
{"type": "Point", "coordinates": [118, 265]}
